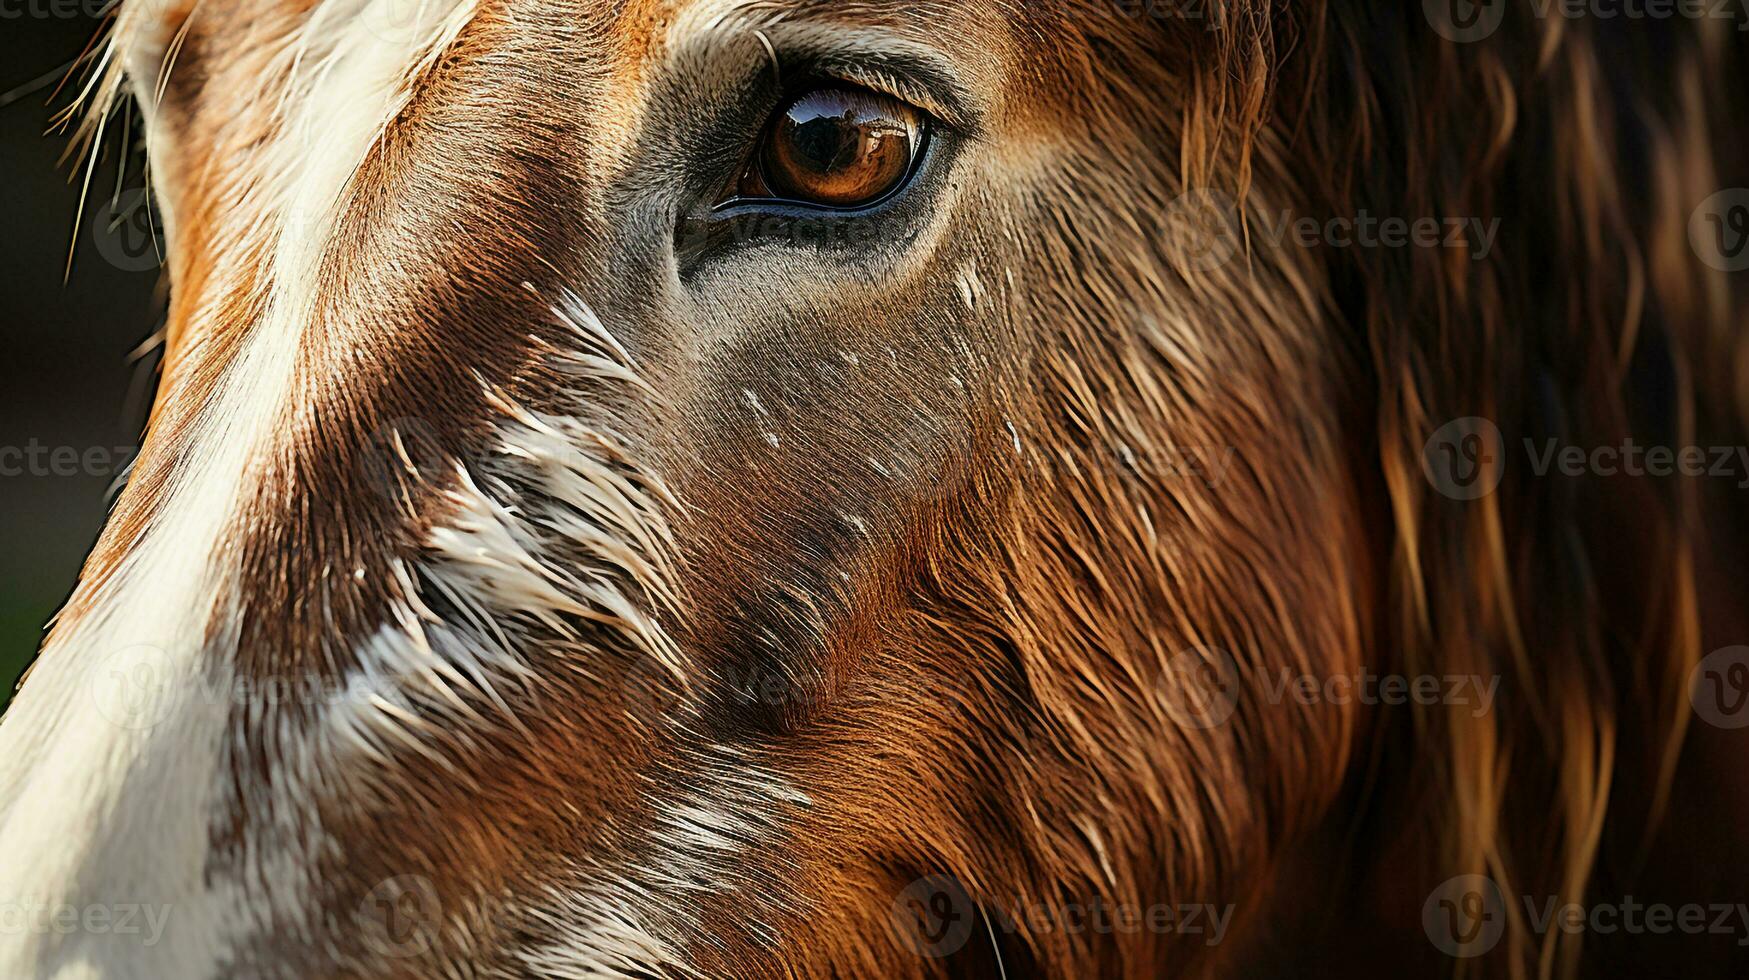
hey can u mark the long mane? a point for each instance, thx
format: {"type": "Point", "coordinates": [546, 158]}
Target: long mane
{"type": "Point", "coordinates": [1593, 141]}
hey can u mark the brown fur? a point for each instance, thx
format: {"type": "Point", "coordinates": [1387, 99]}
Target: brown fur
{"type": "Point", "coordinates": [986, 691]}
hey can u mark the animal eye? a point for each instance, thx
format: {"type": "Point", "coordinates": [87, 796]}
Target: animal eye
{"type": "Point", "coordinates": [836, 147]}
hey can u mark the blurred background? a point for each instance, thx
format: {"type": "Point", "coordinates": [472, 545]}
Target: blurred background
{"type": "Point", "coordinates": [71, 400]}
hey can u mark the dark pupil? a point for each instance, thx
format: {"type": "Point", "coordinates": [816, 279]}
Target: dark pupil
{"type": "Point", "coordinates": [827, 141]}
{"type": "Point", "coordinates": [838, 148]}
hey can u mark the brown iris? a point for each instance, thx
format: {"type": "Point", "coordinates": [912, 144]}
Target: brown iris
{"type": "Point", "coordinates": [836, 147]}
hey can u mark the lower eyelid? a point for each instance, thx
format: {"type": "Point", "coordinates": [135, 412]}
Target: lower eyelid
{"type": "Point", "coordinates": [934, 152]}
{"type": "Point", "coordinates": [904, 184]}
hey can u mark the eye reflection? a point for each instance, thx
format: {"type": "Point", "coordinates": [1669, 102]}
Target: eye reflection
{"type": "Point", "coordinates": [836, 147]}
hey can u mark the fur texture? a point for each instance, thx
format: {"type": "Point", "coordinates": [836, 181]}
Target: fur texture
{"type": "Point", "coordinates": [694, 592]}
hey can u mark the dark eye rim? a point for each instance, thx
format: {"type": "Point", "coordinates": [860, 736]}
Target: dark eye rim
{"type": "Point", "coordinates": [928, 128]}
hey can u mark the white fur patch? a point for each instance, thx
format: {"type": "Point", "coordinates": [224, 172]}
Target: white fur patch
{"type": "Point", "coordinates": [109, 757]}
{"type": "Point", "coordinates": [605, 936]}
{"type": "Point", "coordinates": [703, 840]}
{"type": "Point", "coordinates": [560, 521]}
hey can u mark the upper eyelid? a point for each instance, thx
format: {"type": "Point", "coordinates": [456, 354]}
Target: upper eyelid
{"type": "Point", "coordinates": [881, 79]}
{"type": "Point", "coordinates": [727, 82]}
{"type": "Point", "coordinates": [876, 58]}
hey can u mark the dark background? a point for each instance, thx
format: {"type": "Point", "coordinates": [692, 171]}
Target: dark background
{"type": "Point", "coordinates": [65, 375]}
